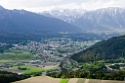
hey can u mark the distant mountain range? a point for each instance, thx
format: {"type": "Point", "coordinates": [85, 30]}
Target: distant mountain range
{"type": "Point", "coordinates": [109, 20]}
{"type": "Point", "coordinates": [111, 49]}
{"type": "Point", "coordinates": [65, 15]}
{"type": "Point", "coordinates": [102, 20]}
{"type": "Point", "coordinates": [21, 21]}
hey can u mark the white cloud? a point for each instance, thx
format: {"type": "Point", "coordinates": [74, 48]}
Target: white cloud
{"type": "Point", "coordinates": [41, 5]}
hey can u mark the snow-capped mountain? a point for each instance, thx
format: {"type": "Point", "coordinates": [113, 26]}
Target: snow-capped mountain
{"type": "Point", "coordinates": [107, 19]}
{"type": "Point", "coordinates": [102, 20]}
{"type": "Point", "coordinates": [65, 15]}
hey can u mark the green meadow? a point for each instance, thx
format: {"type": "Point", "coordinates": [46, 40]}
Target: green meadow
{"type": "Point", "coordinates": [16, 55]}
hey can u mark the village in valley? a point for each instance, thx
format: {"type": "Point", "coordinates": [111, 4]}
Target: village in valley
{"type": "Point", "coordinates": [46, 54]}
{"type": "Point", "coordinates": [55, 49]}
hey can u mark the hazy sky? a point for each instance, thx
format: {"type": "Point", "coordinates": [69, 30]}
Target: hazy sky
{"type": "Point", "coordinates": [41, 5]}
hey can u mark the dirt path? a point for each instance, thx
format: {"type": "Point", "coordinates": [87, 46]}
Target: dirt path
{"type": "Point", "coordinates": [86, 81]}
{"type": "Point", "coordinates": [73, 80]}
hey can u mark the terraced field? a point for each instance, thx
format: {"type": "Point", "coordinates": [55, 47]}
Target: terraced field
{"type": "Point", "coordinates": [46, 79]}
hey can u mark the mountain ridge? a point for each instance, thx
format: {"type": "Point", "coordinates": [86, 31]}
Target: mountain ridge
{"type": "Point", "coordinates": [65, 15]}
{"type": "Point", "coordinates": [25, 21]}
{"type": "Point", "coordinates": [109, 20]}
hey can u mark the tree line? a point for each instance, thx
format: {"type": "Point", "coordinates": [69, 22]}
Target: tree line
{"type": "Point", "coordinates": [110, 75]}
{"type": "Point", "coordinates": [8, 77]}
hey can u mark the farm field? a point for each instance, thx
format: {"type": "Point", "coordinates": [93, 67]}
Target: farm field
{"type": "Point", "coordinates": [11, 61]}
{"type": "Point", "coordinates": [30, 69]}
{"type": "Point", "coordinates": [16, 55]}
{"type": "Point", "coordinates": [40, 79]}
{"type": "Point", "coordinates": [80, 80]}
{"type": "Point", "coordinates": [46, 79]}
{"type": "Point", "coordinates": [73, 80]}
{"type": "Point", "coordinates": [104, 81]}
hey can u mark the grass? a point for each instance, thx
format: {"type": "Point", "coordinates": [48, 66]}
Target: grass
{"type": "Point", "coordinates": [10, 61]}
{"type": "Point", "coordinates": [64, 81]}
{"type": "Point", "coordinates": [30, 69]}
{"type": "Point", "coordinates": [90, 66]}
{"type": "Point", "coordinates": [16, 55]}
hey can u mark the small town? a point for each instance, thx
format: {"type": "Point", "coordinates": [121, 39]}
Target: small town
{"type": "Point", "coordinates": [48, 52]}
{"type": "Point", "coordinates": [55, 49]}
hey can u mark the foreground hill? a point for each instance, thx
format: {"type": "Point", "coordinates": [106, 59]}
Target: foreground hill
{"type": "Point", "coordinates": [46, 79]}
{"type": "Point", "coordinates": [110, 49]}
{"type": "Point", "coordinates": [40, 79]}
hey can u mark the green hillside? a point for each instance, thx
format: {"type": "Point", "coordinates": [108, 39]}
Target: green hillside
{"type": "Point", "coordinates": [110, 49]}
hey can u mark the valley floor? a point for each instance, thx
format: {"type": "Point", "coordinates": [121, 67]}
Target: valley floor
{"type": "Point", "coordinates": [46, 79]}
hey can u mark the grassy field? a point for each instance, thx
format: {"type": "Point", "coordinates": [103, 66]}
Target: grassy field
{"type": "Point", "coordinates": [16, 55]}
{"type": "Point", "coordinates": [30, 69]}
{"type": "Point", "coordinates": [5, 61]}
{"type": "Point", "coordinates": [64, 81]}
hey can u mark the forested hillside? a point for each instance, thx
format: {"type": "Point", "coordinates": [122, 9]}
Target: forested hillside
{"type": "Point", "coordinates": [8, 77]}
{"type": "Point", "coordinates": [113, 48]}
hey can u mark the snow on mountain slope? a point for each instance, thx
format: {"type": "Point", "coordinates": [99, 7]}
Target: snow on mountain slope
{"type": "Point", "coordinates": [65, 15]}
{"type": "Point", "coordinates": [108, 20]}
